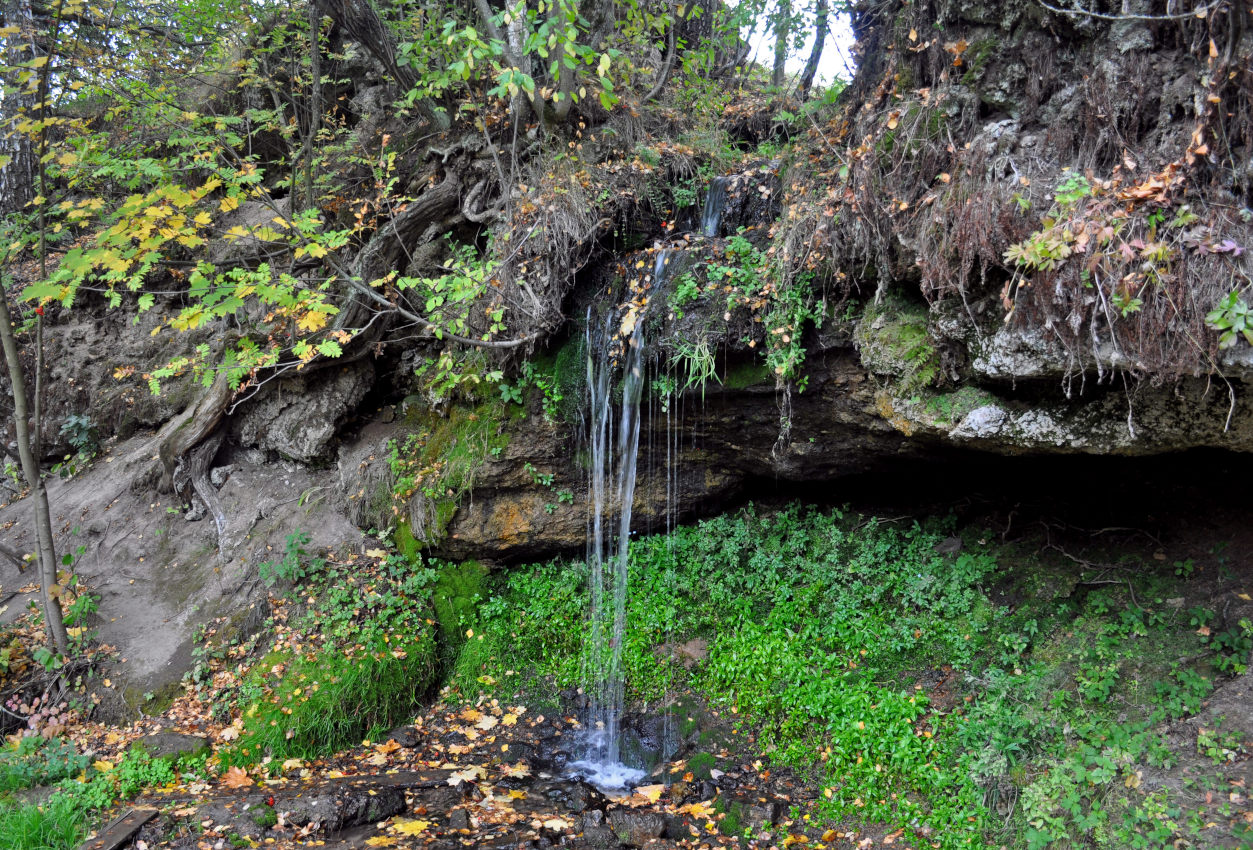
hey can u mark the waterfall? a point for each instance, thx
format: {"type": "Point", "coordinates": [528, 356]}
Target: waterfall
{"type": "Point", "coordinates": [715, 202]}
{"type": "Point", "coordinates": [612, 496]}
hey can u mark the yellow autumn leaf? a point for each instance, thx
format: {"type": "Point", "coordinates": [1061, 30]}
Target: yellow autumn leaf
{"type": "Point", "coordinates": [228, 203]}
{"type": "Point", "coordinates": [509, 720]}
{"type": "Point", "coordinates": [102, 765]}
{"type": "Point", "coordinates": [1245, 597]}
{"type": "Point", "coordinates": [313, 321]}
{"type": "Point", "coordinates": [293, 764]}
{"type": "Point", "coordinates": [411, 827]}
{"type": "Point", "coordinates": [378, 554]}
{"type": "Point", "coordinates": [651, 793]}
{"type": "Point", "coordinates": [380, 841]}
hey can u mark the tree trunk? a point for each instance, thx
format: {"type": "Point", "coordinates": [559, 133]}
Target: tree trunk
{"type": "Point", "coordinates": [821, 28]}
{"type": "Point", "coordinates": [782, 31]}
{"type": "Point", "coordinates": [361, 21]}
{"type": "Point", "coordinates": [57, 637]}
{"type": "Point", "coordinates": [315, 99]}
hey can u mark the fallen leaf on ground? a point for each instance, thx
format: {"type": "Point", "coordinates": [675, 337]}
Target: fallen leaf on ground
{"type": "Point", "coordinates": [411, 827]}
{"type": "Point", "coordinates": [236, 777]}
{"type": "Point", "coordinates": [650, 793]}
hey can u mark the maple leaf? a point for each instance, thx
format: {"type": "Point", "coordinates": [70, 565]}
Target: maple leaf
{"type": "Point", "coordinates": [517, 771]}
{"type": "Point", "coordinates": [411, 827]}
{"type": "Point", "coordinates": [313, 321]}
{"type": "Point", "coordinates": [556, 824]}
{"type": "Point", "coordinates": [471, 715]}
{"type": "Point", "coordinates": [230, 733]}
{"type": "Point", "coordinates": [487, 722]}
{"type": "Point", "coordinates": [293, 764]}
{"type": "Point", "coordinates": [390, 747]}
{"type": "Point", "coordinates": [647, 794]}
{"type": "Point", "coordinates": [469, 774]}
{"type": "Point", "coordinates": [697, 810]}
{"type": "Point", "coordinates": [509, 719]}
{"type": "Point", "coordinates": [236, 777]}
{"type": "Point", "coordinates": [380, 841]}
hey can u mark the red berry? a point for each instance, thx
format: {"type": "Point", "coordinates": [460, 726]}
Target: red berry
{"type": "Point", "coordinates": [39, 311]}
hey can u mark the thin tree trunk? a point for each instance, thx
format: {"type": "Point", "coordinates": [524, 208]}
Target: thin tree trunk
{"type": "Point", "coordinates": [667, 66]}
{"type": "Point", "coordinates": [821, 27]}
{"type": "Point", "coordinates": [782, 31]}
{"type": "Point", "coordinates": [315, 99]}
{"type": "Point", "coordinates": [38, 493]}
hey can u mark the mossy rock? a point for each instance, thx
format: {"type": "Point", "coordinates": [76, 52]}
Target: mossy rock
{"type": "Point", "coordinates": [894, 340]}
{"type": "Point", "coordinates": [171, 745]}
{"type": "Point", "coordinates": [700, 764]}
{"type": "Point", "coordinates": [752, 374]}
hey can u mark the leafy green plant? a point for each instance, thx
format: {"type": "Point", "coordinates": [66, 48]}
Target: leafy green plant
{"type": "Point", "coordinates": [369, 655]}
{"type": "Point", "coordinates": [1232, 319]}
{"type": "Point", "coordinates": [34, 760]}
{"type": "Point", "coordinates": [295, 565]}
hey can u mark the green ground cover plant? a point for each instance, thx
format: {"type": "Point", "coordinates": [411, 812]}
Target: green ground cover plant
{"type": "Point", "coordinates": [353, 656]}
{"type": "Point", "coordinates": [827, 632]}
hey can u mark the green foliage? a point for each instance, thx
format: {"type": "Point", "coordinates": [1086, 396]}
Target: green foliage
{"type": "Point", "coordinates": [821, 627]}
{"type": "Point", "coordinates": [34, 760]}
{"type": "Point", "coordinates": [894, 339]}
{"type": "Point", "coordinates": [806, 614]}
{"type": "Point", "coordinates": [60, 824]}
{"type": "Point", "coordinates": [296, 564]}
{"type": "Point", "coordinates": [355, 662]}
{"type": "Point", "coordinates": [1232, 319]}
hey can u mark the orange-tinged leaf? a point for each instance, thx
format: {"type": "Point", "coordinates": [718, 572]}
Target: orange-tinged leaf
{"type": "Point", "coordinates": [390, 747]}
{"type": "Point", "coordinates": [651, 793]}
{"type": "Point", "coordinates": [236, 777]}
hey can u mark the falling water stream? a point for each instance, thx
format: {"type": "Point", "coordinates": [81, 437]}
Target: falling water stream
{"type": "Point", "coordinates": [611, 490]}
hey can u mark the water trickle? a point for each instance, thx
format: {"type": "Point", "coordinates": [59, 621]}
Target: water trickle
{"type": "Point", "coordinates": [612, 492]}
{"type": "Point", "coordinates": [715, 203]}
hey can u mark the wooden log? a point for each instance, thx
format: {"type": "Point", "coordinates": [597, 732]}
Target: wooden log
{"type": "Point", "coordinates": [120, 831]}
